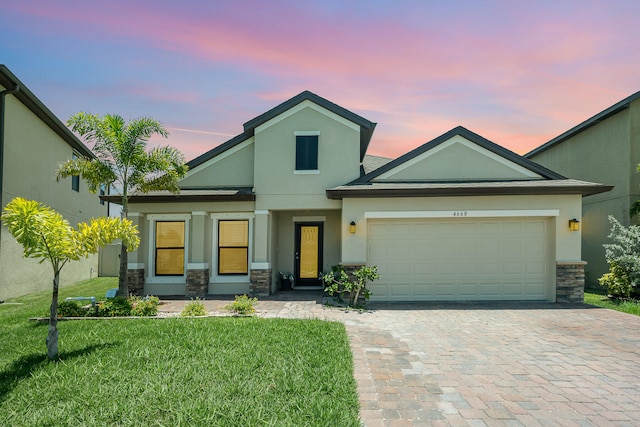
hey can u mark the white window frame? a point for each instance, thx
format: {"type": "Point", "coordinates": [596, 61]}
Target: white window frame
{"type": "Point", "coordinates": [151, 223]}
{"type": "Point", "coordinates": [214, 277]}
{"type": "Point", "coordinates": [306, 133]}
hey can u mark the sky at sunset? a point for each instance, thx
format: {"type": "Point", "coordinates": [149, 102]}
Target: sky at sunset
{"type": "Point", "coordinates": [517, 72]}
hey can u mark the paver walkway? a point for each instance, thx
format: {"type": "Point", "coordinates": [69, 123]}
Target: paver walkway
{"type": "Point", "coordinates": [494, 364]}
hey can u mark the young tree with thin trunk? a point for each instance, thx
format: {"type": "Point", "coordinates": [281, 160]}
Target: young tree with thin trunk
{"type": "Point", "coordinates": [45, 234]}
{"type": "Point", "coordinates": [123, 164]}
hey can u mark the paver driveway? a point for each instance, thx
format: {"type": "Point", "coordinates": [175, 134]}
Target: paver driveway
{"type": "Point", "coordinates": [472, 364]}
{"type": "Point", "coordinates": [496, 364]}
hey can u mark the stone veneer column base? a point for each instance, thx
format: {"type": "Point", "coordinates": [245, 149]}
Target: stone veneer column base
{"type": "Point", "coordinates": [260, 282]}
{"type": "Point", "coordinates": [570, 281]}
{"type": "Point", "coordinates": [135, 281]}
{"type": "Point", "coordinates": [197, 283]}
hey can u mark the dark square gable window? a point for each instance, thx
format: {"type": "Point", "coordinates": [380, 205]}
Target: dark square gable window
{"type": "Point", "coordinates": [306, 152]}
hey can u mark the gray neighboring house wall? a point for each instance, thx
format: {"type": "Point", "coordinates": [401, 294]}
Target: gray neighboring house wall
{"type": "Point", "coordinates": [33, 141]}
{"type": "Point", "coordinates": [605, 148]}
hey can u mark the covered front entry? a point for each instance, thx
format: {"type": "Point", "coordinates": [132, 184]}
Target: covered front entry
{"type": "Point", "coordinates": [309, 238]}
{"type": "Point", "coordinates": [458, 259]}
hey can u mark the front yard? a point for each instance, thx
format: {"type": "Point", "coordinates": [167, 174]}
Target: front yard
{"type": "Point", "coordinates": [172, 372]}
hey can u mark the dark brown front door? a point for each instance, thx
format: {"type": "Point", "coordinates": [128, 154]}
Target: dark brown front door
{"type": "Point", "coordinates": [308, 247]}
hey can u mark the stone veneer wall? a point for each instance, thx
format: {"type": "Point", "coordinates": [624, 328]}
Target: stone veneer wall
{"type": "Point", "coordinates": [260, 282]}
{"type": "Point", "coordinates": [197, 283]}
{"type": "Point", "coordinates": [570, 281]}
{"type": "Point", "coordinates": [135, 280]}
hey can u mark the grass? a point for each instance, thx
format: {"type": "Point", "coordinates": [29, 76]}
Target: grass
{"type": "Point", "coordinates": [173, 372]}
{"type": "Point", "coordinates": [599, 298]}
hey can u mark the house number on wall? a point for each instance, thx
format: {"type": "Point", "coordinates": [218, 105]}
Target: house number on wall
{"type": "Point", "coordinates": [460, 213]}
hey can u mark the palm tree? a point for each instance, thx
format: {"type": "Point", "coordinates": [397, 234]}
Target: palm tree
{"type": "Point", "coordinates": [123, 164]}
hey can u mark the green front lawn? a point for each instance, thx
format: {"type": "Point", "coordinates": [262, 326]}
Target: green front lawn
{"type": "Point", "coordinates": [599, 297]}
{"type": "Point", "coordinates": [173, 372]}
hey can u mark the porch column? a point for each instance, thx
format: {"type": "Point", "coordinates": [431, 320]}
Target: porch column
{"type": "Point", "coordinates": [135, 259]}
{"type": "Point", "coordinates": [197, 268]}
{"type": "Point", "coordinates": [261, 270]}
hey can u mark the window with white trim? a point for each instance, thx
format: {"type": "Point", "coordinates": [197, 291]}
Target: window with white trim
{"type": "Point", "coordinates": [168, 247]}
{"type": "Point", "coordinates": [169, 258]}
{"type": "Point", "coordinates": [231, 247]}
{"type": "Point", "coordinates": [306, 151]}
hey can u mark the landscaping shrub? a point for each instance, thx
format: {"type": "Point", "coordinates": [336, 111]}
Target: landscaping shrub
{"type": "Point", "coordinates": [338, 283]}
{"type": "Point", "coordinates": [147, 306]}
{"type": "Point", "coordinates": [71, 309]}
{"type": "Point", "coordinates": [242, 305]}
{"type": "Point", "coordinates": [623, 258]}
{"type": "Point", "coordinates": [115, 307]}
{"type": "Point", "coordinates": [194, 308]}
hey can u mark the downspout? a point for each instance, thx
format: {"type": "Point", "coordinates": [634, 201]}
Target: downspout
{"type": "Point", "coordinates": [3, 94]}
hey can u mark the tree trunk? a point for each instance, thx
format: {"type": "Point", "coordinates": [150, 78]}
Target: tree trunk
{"type": "Point", "coordinates": [123, 285]}
{"type": "Point", "coordinates": [52, 337]}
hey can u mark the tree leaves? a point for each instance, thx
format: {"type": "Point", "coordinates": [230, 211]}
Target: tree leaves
{"type": "Point", "coordinates": [45, 234]}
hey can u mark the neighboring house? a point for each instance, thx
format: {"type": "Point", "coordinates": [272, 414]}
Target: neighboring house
{"type": "Point", "coordinates": [459, 218]}
{"type": "Point", "coordinates": [604, 148]}
{"type": "Point", "coordinates": [32, 144]}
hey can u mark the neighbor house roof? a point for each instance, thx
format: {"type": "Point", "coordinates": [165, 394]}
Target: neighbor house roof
{"type": "Point", "coordinates": [9, 81]}
{"type": "Point", "coordinates": [549, 183]}
{"type": "Point", "coordinates": [603, 115]}
{"type": "Point", "coordinates": [366, 127]}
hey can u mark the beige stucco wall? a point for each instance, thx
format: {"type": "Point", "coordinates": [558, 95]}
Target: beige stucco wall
{"type": "Point", "coordinates": [565, 246]}
{"type": "Point", "coordinates": [233, 168]}
{"type": "Point", "coordinates": [32, 154]}
{"type": "Point", "coordinates": [277, 186]}
{"type": "Point", "coordinates": [457, 159]}
{"type": "Point", "coordinates": [608, 153]}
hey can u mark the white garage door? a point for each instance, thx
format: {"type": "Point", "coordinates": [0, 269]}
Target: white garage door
{"type": "Point", "coordinates": [459, 259]}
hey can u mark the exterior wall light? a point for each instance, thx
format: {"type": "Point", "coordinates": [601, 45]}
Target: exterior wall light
{"type": "Point", "coordinates": [352, 227]}
{"type": "Point", "coordinates": [574, 225]}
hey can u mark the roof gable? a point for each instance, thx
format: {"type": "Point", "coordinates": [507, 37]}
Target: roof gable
{"type": "Point", "coordinates": [366, 127]}
{"type": "Point", "coordinates": [459, 156]}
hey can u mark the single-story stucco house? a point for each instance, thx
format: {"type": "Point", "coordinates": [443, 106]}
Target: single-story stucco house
{"type": "Point", "coordinates": [459, 218]}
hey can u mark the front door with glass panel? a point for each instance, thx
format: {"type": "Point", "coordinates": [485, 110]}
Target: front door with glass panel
{"type": "Point", "coordinates": [308, 253]}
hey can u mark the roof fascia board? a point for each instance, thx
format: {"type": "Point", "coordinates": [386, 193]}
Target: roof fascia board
{"type": "Point", "coordinates": [216, 151]}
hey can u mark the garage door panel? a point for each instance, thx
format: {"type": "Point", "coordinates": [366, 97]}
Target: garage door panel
{"type": "Point", "coordinates": [460, 259]}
